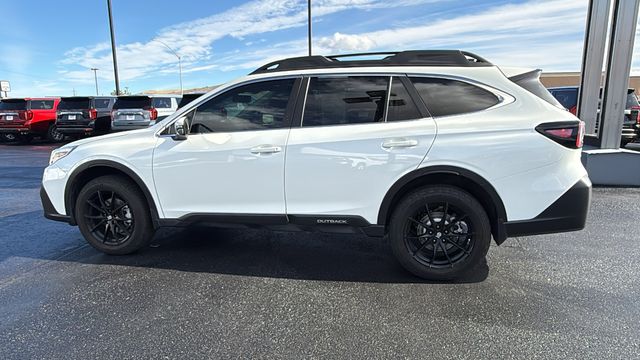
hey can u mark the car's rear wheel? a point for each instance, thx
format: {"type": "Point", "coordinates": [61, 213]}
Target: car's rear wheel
{"type": "Point", "coordinates": [113, 215]}
{"type": "Point", "coordinates": [439, 232]}
{"type": "Point", "coordinates": [53, 135]}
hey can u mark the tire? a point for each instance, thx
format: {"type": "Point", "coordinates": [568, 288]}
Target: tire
{"type": "Point", "coordinates": [113, 215]}
{"type": "Point", "coordinates": [435, 250]}
{"type": "Point", "coordinates": [53, 135]}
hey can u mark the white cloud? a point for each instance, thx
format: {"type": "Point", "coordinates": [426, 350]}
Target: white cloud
{"type": "Point", "coordinates": [194, 40]}
{"type": "Point", "coordinates": [343, 42]}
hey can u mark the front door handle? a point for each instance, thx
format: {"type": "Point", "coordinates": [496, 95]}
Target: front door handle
{"type": "Point", "coordinates": [266, 149]}
{"type": "Point", "coordinates": [398, 143]}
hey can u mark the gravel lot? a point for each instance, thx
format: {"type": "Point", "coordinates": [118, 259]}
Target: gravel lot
{"type": "Point", "coordinates": [237, 293]}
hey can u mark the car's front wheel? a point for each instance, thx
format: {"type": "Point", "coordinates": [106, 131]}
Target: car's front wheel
{"type": "Point", "coordinates": [439, 232]}
{"type": "Point", "coordinates": [113, 215]}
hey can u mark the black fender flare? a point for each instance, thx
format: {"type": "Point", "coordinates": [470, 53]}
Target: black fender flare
{"type": "Point", "coordinates": [70, 189]}
{"type": "Point", "coordinates": [399, 186]}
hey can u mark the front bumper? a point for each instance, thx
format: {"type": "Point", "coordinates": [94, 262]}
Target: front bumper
{"type": "Point", "coordinates": [49, 211]}
{"type": "Point", "coordinates": [568, 213]}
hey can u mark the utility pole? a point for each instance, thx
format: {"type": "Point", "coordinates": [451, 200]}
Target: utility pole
{"type": "Point", "coordinates": [309, 23]}
{"type": "Point", "coordinates": [95, 75]}
{"type": "Point", "coordinates": [113, 48]}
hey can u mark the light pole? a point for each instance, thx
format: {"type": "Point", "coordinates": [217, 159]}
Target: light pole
{"type": "Point", "coordinates": [113, 48]}
{"type": "Point", "coordinates": [95, 76]}
{"type": "Point", "coordinates": [179, 62]}
{"type": "Point", "coordinates": [309, 22]}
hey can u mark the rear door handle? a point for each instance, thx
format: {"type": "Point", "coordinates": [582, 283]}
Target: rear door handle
{"type": "Point", "coordinates": [266, 149]}
{"type": "Point", "coordinates": [398, 143]}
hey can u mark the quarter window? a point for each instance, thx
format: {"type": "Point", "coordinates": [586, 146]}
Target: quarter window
{"type": "Point", "coordinates": [451, 97]}
{"type": "Point", "coordinates": [345, 100]}
{"type": "Point", "coordinates": [401, 106]}
{"type": "Point", "coordinates": [256, 106]}
{"type": "Point", "coordinates": [41, 104]}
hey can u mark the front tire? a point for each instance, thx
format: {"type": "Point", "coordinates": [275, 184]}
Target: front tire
{"type": "Point", "coordinates": [439, 232]}
{"type": "Point", "coordinates": [113, 215]}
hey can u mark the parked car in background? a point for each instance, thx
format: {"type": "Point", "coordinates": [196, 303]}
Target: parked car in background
{"type": "Point", "coordinates": [24, 119]}
{"type": "Point", "coordinates": [133, 112]}
{"type": "Point", "coordinates": [84, 115]}
{"type": "Point", "coordinates": [164, 105]}
{"type": "Point", "coordinates": [187, 98]}
{"type": "Point", "coordinates": [568, 97]}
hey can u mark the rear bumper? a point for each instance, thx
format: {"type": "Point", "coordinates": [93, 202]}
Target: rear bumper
{"type": "Point", "coordinates": [15, 130]}
{"type": "Point", "coordinates": [49, 211]}
{"type": "Point", "coordinates": [568, 213]}
{"type": "Point", "coordinates": [75, 129]}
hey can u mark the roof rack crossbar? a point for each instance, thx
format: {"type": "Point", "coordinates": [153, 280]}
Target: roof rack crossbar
{"type": "Point", "coordinates": [392, 58]}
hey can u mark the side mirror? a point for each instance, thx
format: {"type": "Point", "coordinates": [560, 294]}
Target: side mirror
{"type": "Point", "coordinates": [181, 129]}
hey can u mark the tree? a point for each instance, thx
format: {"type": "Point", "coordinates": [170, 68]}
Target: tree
{"type": "Point", "coordinates": [122, 92]}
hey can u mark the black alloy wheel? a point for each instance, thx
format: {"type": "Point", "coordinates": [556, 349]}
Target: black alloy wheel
{"type": "Point", "coordinates": [439, 232]}
{"type": "Point", "coordinates": [113, 215]}
{"type": "Point", "coordinates": [439, 235]}
{"type": "Point", "coordinates": [109, 217]}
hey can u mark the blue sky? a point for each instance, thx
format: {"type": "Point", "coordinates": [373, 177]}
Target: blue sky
{"type": "Point", "coordinates": [48, 47]}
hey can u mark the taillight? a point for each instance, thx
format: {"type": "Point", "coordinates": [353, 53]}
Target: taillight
{"type": "Point", "coordinates": [153, 113]}
{"type": "Point", "coordinates": [566, 133]}
{"type": "Point", "coordinates": [25, 115]}
{"type": "Point", "coordinates": [93, 114]}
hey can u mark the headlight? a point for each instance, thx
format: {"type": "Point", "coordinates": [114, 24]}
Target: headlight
{"type": "Point", "coordinates": [60, 153]}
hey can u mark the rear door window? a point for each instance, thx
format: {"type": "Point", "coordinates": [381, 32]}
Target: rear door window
{"type": "Point", "coordinates": [345, 100]}
{"type": "Point", "coordinates": [444, 97]}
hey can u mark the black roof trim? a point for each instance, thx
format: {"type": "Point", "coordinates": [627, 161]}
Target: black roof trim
{"type": "Point", "coordinates": [395, 58]}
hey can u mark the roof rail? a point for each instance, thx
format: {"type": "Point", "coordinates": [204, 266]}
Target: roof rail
{"type": "Point", "coordinates": [393, 58]}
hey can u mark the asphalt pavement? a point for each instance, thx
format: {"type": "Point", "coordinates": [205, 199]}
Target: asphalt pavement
{"type": "Point", "coordinates": [211, 293]}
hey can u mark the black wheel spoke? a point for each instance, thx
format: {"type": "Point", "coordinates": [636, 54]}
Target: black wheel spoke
{"type": "Point", "coordinates": [458, 246]}
{"type": "Point", "coordinates": [420, 223]}
{"type": "Point", "coordinates": [120, 207]}
{"type": "Point", "coordinates": [94, 205]}
{"type": "Point", "coordinates": [96, 226]}
{"type": "Point", "coordinates": [95, 217]}
{"type": "Point", "coordinates": [113, 200]}
{"type": "Point", "coordinates": [433, 258]}
{"type": "Point", "coordinates": [422, 246]}
{"type": "Point", "coordinates": [106, 232]}
{"type": "Point", "coordinates": [433, 223]}
{"type": "Point", "coordinates": [102, 203]}
{"type": "Point", "coordinates": [445, 252]}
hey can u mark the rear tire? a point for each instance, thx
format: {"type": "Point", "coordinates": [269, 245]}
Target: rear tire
{"type": "Point", "coordinates": [53, 135]}
{"type": "Point", "coordinates": [439, 232]}
{"type": "Point", "coordinates": [113, 215]}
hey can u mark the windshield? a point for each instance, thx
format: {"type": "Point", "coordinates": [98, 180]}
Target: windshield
{"type": "Point", "coordinates": [133, 102]}
{"type": "Point", "coordinates": [13, 105]}
{"type": "Point", "coordinates": [74, 103]}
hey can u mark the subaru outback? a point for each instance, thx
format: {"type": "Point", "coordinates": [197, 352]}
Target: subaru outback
{"type": "Point", "coordinates": [440, 151]}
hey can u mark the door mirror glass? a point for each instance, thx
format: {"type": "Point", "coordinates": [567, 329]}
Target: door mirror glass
{"type": "Point", "coordinates": [180, 129]}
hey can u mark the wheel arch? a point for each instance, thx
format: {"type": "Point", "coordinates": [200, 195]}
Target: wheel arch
{"type": "Point", "coordinates": [465, 179]}
{"type": "Point", "coordinates": [93, 169]}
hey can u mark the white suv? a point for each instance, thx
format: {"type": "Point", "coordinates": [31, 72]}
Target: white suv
{"type": "Point", "coordinates": [439, 150]}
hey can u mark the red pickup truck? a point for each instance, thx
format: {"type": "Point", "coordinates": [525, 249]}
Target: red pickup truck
{"type": "Point", "coordinates": [23, 119]}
